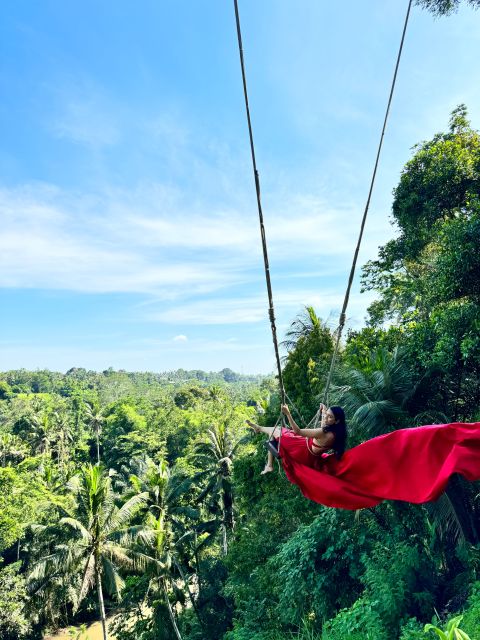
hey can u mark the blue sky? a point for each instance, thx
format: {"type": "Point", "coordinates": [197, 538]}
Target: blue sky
{"type": "Point", "coordinates": [129, 235]}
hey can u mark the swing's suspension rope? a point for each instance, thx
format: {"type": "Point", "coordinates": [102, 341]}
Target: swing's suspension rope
{"type": "Point", "coordinates": [343, 313]}
{"type": "Point", "coordinates": [271, 310]}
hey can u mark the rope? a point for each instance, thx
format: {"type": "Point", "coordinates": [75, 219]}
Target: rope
{"type": "Point", "coordinates": [271, 311]}
{"type": "Point", "coordinates": [343, 313]}
{"type": "Point", "coordinates": [297, 411]}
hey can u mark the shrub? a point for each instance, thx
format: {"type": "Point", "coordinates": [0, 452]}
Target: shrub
{"type": "Point", "coordinates": [359, 622]}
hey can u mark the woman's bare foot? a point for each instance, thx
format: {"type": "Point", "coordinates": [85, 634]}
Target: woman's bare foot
{"type": "Point", "coordinates": [253, 426]}
{"type": "Point", "coordinates": [268, 469]}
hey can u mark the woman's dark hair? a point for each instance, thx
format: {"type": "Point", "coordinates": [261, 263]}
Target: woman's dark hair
{"type": "Point", "coordinates": [340, 431]}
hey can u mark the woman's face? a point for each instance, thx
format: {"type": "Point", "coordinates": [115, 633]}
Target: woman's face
{"type": "Point", "coordinates": [330, 418]}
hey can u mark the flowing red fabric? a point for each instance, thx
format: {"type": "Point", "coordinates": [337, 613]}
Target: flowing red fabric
{"type": "Point", "coordinates": [412, 465]}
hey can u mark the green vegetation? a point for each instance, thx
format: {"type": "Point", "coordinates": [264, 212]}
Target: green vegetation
{"type": "Point", "coordinates": [139, 495]}
{"type": "Point", "coordinates": [445, 7]}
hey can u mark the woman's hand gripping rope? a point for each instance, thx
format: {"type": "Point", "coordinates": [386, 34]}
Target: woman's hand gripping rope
{"type": "Point", "coordinates": [294, 426]}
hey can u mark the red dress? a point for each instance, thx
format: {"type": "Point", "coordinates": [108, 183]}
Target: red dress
{"type": "Point", "coordinates": [412, 465]}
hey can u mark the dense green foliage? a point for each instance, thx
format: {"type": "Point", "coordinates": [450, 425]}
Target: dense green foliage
{"type": "Point", "coordinates": [445, 7]}
{"type": "Point", "coordinates": [135, 498]}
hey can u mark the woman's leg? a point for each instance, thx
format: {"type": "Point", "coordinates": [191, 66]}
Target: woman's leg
{"type": "Point", "coordinates": [267, 430]}
{"type": "Point", "coordinates": [258, 429]}
{"type": "Point", "coordinates": [269, 466]}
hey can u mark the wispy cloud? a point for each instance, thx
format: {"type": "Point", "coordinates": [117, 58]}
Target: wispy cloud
{"type": "Point", "coordinates": [47, 243]}
{"type": "Point", "coordinates": [251, 309]}
{"type": "Point", "coordinates": [148, 241]}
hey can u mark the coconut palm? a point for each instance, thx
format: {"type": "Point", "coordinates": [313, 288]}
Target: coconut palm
{"type": "Point", "coordinates": [165, 529]}
{"type": "Point", "coordinates": [304, 324]}
{"type": "Point", "coordinates": [217, 392]}
{"type": "Point", "coordinates": [309, 347]}
{"type": "Point", "coordinates": [215, 458]}
{"type": "Point", "coordinates": [95, 419]}
{"type": "Point", "coordinates": [89, 542]}
{"type": "Point", "coordinates": [40, 433]}
{"type": "Point", "coordinates": [375, 397]}
{"type": "Point", "coordinates": [64, 433]}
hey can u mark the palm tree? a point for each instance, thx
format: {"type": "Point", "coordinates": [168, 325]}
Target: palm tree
{"type": "Point", "coordinates": [309, 346]}
{"type": "Point", "coordinates": [217, 393]}
{"type": "Point", "coordinates": [165, 530]}
{"type": "Point", "coordinates": [304, 324]}
{"type": "Point", "coordinates": [41, 435]}
{"type": "Point", "coordinates": [96, 419]}
{"type": "Point", "coordinates": [64, 434]}
{"type": "Point", "coordinates": [90, 540]}
{"type": "Point", "coordinates": [156, 541]}
{"type": "Point", "coordinates": [215, 458]}
{"type": "Point", "coordinates": [375, 397]}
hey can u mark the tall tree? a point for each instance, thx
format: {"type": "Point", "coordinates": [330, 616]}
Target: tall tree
{"type": "Point", "coordinates": [64, 434]}
{"type": "Point", "coordinates": [91, 540]}
{"type": "Point", "coordinates": [306, 323]}
{"type": "Point", "coordinates": [309, 348]}
{"type": "Point", "coordinates": [215, 455]}
{"type": "Point", "coordinates": [41, 434]}
{"type": "Point", "coordinates": [95, 419]}
{"type": "Point", "coordinates": [168, 525]}
{"type": "Point", "coordinates": [428, 285]}
{"type": "Point", "coordinates": [427, 277]}
{"type": "Point", "coordinates": [376, 396]}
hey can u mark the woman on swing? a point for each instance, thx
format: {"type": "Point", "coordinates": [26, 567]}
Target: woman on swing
{"type": "Point", "coordinates": [309, 444]}
{"type": "Point", "coordinates": [412, 465]}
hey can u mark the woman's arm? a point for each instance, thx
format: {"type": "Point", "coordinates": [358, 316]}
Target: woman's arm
{"type": "Point", "coordinates": [306, 433]}
{"type": "Point", "coordinates": [295, 428]}
{"type": "Point", "coordinates": [311, 433]}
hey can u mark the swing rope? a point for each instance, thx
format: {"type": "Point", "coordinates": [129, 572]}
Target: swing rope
{"type": "Point", "coordinates": [271, 311]}
{"type": "Point", "coordinates": [343, 313]}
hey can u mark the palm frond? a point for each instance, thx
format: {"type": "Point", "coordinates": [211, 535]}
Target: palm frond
{"type": "Point", "coordinates": [178, 486]}
{"type": "Point", "coordinates": [120, 517]}
{"type": "Point", "coordinates": [76, 525]}
{"type": "Point", "coordinates": [88, 577]}
{"type": "Point", "coordinates": [143, 562]}
{"type": "Point", "coordinates": [73, 484]}
{"type": "Point", "coordinates": [448, 520]}
{"type": "Point", "coordinates": [376, 417]}
{"type": "Point", "coordinates": [62, 560]}
{"type": "Point", "coordinates": [124, 536]}
{"type": "Point", "coordinates": [114, 583]}
{"type": "Point", "coordinates": [146, 537]}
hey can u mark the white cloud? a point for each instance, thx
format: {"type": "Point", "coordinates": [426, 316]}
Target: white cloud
{"type": "Point", "coordinates": [252, 309]}
{"type": "Point", "coordinates": [46, 242]}
{"type": "Point", "coordinates": [180, 338]}
{"type": "Point", "coordinates": [149, 241]}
